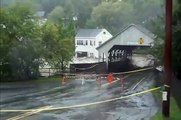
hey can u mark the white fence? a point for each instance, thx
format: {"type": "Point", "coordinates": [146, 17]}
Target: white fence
{"type": "Point", "coordinates": [49, 71]}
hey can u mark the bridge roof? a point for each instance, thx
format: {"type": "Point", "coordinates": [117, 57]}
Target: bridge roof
{"type": "Point", "coordinates": [140, 28]}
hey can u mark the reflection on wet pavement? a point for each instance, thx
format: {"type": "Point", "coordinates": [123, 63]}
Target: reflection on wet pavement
{"type": "Point", "coordinates": [73, 93]}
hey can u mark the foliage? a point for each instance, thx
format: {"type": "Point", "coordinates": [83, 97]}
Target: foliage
{"type": "Point", "coordinates": [25, 43]}
{"type": "Point", "coordinates": [110, 14]}
{"type": "Point", "coordinates": [176, 41]}
{"type": "Point", "coordinates": [114, 14]}
{"type": "Point", "coordinates": [151, 8]}
{"type": "Point", "coordinates": [58, 44]}
{"type": "Point", "coordinates": [19, 42]}
{"type": "Point", "coordinates": [81, 8]}
{"type": "Point", "coordinates": [56, 14]}
{"type": "Point", "coordinates": [158, 26]}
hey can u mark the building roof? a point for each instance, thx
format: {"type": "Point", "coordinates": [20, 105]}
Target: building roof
{"type": "Point", "coordinates": [145, 31]}
{"type": "Point", "coordinates": [142, 29]}
{"type": "Point", "coordinates": [88, 32]}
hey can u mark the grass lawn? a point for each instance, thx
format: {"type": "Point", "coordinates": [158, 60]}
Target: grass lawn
{"type": "Point", "coordinates": [175, 112]}
{"type": "Point", "coordinates": [48, 79]}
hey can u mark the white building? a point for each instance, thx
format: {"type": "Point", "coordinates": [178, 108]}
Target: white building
{"type": "Point", "coordinates": [87, 40]}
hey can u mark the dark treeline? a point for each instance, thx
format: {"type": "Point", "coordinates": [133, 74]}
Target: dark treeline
{"type": "Point", "coordinates": [110, 14]}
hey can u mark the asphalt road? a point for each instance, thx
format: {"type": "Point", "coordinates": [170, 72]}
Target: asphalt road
{"type": "Point", "coordinates": [24, 96]}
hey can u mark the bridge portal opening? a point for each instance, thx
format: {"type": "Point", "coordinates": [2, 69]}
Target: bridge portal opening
{"type": "Point", "coordinates": [119, 58]}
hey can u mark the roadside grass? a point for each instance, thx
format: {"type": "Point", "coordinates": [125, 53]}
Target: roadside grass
{"type": "Point", "coordinates": [175, 112]}
{"type": "Point", "coordinates": [39, 80]}
{"type": "Point", "coordinates": [48, 79]}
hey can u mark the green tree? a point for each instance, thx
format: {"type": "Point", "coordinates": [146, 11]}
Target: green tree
{"type": "Point", "coordinates": [82, 9]}
{"type": "Point", "coordinates": [177, 39]}
{"type": "Point", "coordinates": [151, 8]}
{"type": "Point", "coordinates": [115, 14]}
{"type": "Point", "coordinates": [56, 14]}
{"type": "Point", "coordinates": [158, 27]}
{"type": "Point", "coordinates": [58, 44]}
{"type": "Point", "coordinates": [48, 5]}
{"type": "Point", "coordinates": [19, 42]}
{"type": "Point", "coordinates": [112, 15]}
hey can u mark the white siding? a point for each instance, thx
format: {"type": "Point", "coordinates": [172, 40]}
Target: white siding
{"type": "Point", "coordinates": [130, 36]}
{"type": "Point", "coordinates": [92, 48]}
{"type": "Point", "coordinates": [85, 48]}
{"type": "Point", "coordinates": [103, 37]}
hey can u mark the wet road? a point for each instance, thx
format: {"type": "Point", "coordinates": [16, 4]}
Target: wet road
{"type": "Point", "coordinates": [23, 96]}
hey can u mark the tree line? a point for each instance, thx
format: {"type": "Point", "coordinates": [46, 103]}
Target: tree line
{"type": "Point", "coordinates": [157, 26]}
{"type": "Point", "coordinates": [26, 44]}
{"type": "Point", "coordinates": [109, 14]}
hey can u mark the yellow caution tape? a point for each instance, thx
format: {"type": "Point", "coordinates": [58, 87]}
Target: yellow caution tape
{"type": "Point", "coordinates": [120, 73]}
{"type": "Point", "coordinates": [86, 104]}
{"type": "Point", "coordinates": [105, 101]}
{"type": "Point", "coordinates": [134, 71]}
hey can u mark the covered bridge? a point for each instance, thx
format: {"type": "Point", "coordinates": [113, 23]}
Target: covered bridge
{"type": "Point", "coordinates": [118, 50]}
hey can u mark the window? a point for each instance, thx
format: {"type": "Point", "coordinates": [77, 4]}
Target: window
{"type": "Point", "coordinates": [94, 43]}
{"type": "Point", "coordinates": [82, 42]}
{"type": "Point", "coordinates": [79, 42]}
{"type": "Point", "coordinates": [91, 42]}
{"type": "Point", "coordinates": [81, 54]}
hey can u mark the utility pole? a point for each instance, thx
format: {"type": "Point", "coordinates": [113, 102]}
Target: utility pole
{"type": "Point", "coordinates": [167, 60]}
